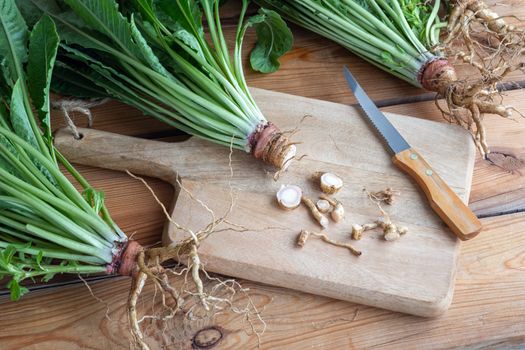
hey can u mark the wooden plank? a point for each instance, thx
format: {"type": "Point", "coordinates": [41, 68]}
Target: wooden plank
{"type": "Point", "coordinates": [313, 67]}
{"type": "Point", "coordinates": [494, 190]}
{"type": "Point", "coordinates": [485, 321]}
{"type": "Point", "coordinates": [487, 312]}
{"type": "Point", "coordinates": [336, 139]}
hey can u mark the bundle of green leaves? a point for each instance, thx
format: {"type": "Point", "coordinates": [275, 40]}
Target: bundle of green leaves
{"type": "Point", "coordinates": [47, 226]}
{"type": "Point", "coordinates": [403, 37]}
{"type": "Point", "coordinates": [157, 56]}
{"type": "Point", "coordinates": [396, 36]}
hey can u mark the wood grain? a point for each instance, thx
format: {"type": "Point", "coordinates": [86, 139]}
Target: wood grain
{"type": "Point", "coordinates": [488, 308]}
{"type": "Point", "coordinates": [336, 139]}
{"type": "Point", "coordinates": [493, 190]}
{"type": "Point", "coordinates": [487, 311]}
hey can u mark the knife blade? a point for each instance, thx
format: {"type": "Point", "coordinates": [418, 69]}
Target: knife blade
{"type": "Point", "coordinates": [443, 200]}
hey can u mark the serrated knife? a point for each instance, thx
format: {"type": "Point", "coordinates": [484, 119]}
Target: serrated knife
{"type": "Point", "coordinates": [445, 202]}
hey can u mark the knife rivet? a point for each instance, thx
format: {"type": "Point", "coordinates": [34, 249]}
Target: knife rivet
{"type": "Point", "coordinates": [429, 172]}
{"type": "Point", "coordinates": [413, 156]}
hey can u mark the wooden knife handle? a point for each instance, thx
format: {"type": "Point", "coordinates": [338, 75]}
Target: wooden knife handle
{"type": "Point", "coordinates": [443, 200]}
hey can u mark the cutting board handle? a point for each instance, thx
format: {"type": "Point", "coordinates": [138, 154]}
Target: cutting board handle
{"type": "Point", "coordinates": [117, 152]}
{"type": "Point", "coordinates": [443, 200]}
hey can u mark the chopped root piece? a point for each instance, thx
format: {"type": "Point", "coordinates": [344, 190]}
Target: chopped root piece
{"type": "Point", "coordinates": [358, 230]}
{"type": "Point", "coordinates": [302, 238]}
{"type": "Point", "coordinates": [386, 196]}
{"type": "Point", "coordinates": [289, 196]}
{"type": "Point", "coordinates": [304, 235]}
{"type": "Point", "coordinates": [323, 206]}
{"type": "Point", "coordinates": [391, 232]}
{"type": "Point", "coordinates": [338, 213]}
{"type": "Point", "coordinates": [330, 183]}
{"type": "Point", "coordinates": [320, 218]}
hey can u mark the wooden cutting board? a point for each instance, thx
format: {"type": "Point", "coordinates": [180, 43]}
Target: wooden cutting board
{"type": "Point", "coordinates": [413, 275]}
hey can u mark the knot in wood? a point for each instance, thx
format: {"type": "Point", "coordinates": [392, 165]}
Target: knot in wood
{"type": "Point", "coordinates": [207, 338]}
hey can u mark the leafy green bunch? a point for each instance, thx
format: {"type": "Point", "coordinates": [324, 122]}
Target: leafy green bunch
{"type": "Point", "coordinates": [46, 225]}
{"type": "Point", "coordinates": [395, 35]}
{"type": "Point", "coordinates": [156, 55]}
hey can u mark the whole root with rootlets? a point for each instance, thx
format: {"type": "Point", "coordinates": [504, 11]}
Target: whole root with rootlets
{"type": "Point", "coordinates": [143, 264]}
{"type": "Point", "coordinates": [477, 36]}
{"type": "Point", "coordinates": [147, 264]}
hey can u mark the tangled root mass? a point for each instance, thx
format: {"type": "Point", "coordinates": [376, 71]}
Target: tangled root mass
{"type": "Point", "coordinates": [477, 36]}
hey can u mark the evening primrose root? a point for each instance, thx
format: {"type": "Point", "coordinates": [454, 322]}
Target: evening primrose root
{"type": "Point", "coordinates": [194, 296]}
{"type": "Point", "coordinates": [358, 230]}
{"type": "Point", "coordinates": [318, 216]}
{"type": "Point", "coordinates": [391, 231]}
{"type": "Point", "coordinates": [289, 197]}
{"type": "Point", "coordinates": [385, 196]}
{"type": "Point", "coordinates": [328, 182]}
{"type": "Point", "coordinates": [304, 235]}
{"type": "Point", "coordinates": [323, 206]}
{"type": "Point", "coordinates": [478, 36]}
{"type": "Point", "coordinates": [338, 211]}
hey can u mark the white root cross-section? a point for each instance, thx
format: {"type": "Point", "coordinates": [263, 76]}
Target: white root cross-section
{"type": "Point", "coordinates": [289, 196]}
{"type": "Point", "coordinates": [330, 183]}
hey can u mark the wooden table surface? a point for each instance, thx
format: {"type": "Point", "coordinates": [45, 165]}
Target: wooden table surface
{"type": "Point", "coordinates": [488, 311]}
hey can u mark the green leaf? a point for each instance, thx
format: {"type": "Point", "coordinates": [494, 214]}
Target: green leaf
{"type": "Point", "coordinates": [104, 17]}
{"type": "Point", "coordinates": [16, 290]}
{"type": "Point", "coordinates": [43, 46]}
{"type": "Point", "coordinates": [48, 277]}
{"type": "Point", "coordinates": [274, 40]}
{"type": "Point", "coordinates": [7, 254]}
{"type": "Point", "coordinates": [146, 51]}
{"type": "Point", "coordinates": [4, 161]}
{"type": "Point", "coordinates": [68, 82]}
{"type": "Point", "coordinates": [183, 13]}
{"type": "Point", "coordinates": [13, 40]}
{"type": "Point", "coordinates": [39, 257]}
{"type": "Point", "coordinates": [94, 198]}
{"type": "Point", "coordinates": [32, 13]}
{"type": "Point", "coordinates": [19, 116]}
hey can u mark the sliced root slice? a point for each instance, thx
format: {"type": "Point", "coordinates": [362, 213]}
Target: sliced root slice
{"type": "Point", "coordinates": [330, 183]}
{"type": "Point", "coordinates": [304, 235]}
{"type": "Point", "coordinates": [289, 196]}
{"type": "Point", "coordinates": [323, 206]}
{"type": "Point", "coordinates": [338, 213]}
{"type": "Point", "coordinates": [320, 218]}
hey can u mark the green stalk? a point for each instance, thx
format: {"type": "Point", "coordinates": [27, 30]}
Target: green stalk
{"type": "Point", "coordinates": [189, 74]}
{"type": "Point", "coordinates": [71, 244]}
{"type": "Point", "coordinates": [376, 30]}
{"type": "Point", "coordinates": [46, 225]}
{"type": "Point", "coordinates": [83, 270]}
{"type": "Point", "coordinates": [51, 253]}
